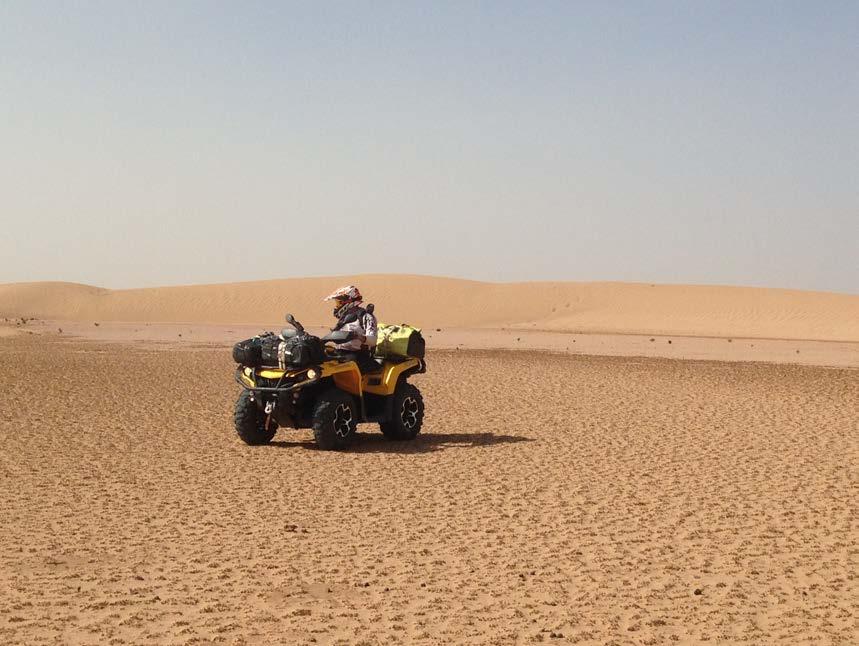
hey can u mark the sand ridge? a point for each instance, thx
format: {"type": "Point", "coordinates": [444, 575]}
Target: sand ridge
{"type": "Point", "coordinates": [627, 308]}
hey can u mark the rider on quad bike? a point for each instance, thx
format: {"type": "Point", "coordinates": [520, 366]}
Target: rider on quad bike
{"type": "Point", "coordinates": [353, 317]}
{"type": "Point", "coordinates": [298, 380]}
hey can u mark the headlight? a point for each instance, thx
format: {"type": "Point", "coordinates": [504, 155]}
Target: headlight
{"type": "Point", "coordinates": [312, 374]}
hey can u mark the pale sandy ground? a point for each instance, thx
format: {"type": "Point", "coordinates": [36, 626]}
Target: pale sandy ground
{"type": "Point", "coordinates": [551, 498]}
{"type": "Point", "coordinates": [801, 352]}
{"type": "Point", "coordinates": [177, 335]}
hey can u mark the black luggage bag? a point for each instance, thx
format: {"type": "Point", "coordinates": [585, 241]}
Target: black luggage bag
{"type": "Point", "coordinates": [295, 352]}
{"type": "Point", "coordinates": [301, 351]}
{"type": "Point", "coordinates": [249, 352]}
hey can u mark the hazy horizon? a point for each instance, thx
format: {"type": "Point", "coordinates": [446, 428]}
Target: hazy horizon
{"type": "Point", "coordinates": [357, 276]}
{"type": "Point", "coordinates": [205, 142]}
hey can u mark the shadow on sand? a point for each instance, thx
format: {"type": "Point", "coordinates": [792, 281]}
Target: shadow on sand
{"type": "Point", "coordinates": [423, 443]}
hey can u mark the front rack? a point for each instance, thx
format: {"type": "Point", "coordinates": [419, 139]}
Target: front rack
{"type": "Point", "coordinates": [274, 389]}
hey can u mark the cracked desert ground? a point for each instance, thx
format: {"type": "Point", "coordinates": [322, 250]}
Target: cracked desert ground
{"type": "Point", "coordinates": [550, 498]}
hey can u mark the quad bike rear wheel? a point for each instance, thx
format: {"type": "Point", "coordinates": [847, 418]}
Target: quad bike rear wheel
{"type": "Point", "coordinates": [408, 413]}
{"type": "Point", "coordinates": [335, 418]}
{"type": "Point", "coordinates": [250, 422]}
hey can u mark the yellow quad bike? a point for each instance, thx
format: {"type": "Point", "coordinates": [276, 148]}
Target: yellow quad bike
{"type": "Point", "coordinates": [312, 385]}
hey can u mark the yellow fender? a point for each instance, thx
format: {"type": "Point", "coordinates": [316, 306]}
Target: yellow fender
{"type": "Point", "coordinates": [385, 382]}
{"type": "Point", "coordinates": [247, 377]}
{"type": "Point", "coordinates": [346, 375]}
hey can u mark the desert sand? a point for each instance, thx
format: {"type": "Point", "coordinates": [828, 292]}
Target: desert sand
{"type": "Point", "coordinates": [553, 495]}
{"type": "Point", "coordinates": [550, 498]}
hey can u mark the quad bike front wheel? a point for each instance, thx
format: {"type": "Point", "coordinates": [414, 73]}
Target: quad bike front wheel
{"type": "Point", "coordinates": [251, 423]}
{"type": "Point", "coordinates": [408, 413]}
{"type": "Point", "coordinates": [335, 418]}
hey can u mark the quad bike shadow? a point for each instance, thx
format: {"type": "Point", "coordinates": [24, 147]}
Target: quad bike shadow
{"type": "Point", "coordinates": [425, 443]}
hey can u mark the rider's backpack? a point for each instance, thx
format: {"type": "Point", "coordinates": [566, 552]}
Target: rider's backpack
{"type": "Point", "coordinates": [400, 341]}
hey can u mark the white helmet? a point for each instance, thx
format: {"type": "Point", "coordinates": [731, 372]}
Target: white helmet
{"type": "Point", "coordinates": [346, 298]}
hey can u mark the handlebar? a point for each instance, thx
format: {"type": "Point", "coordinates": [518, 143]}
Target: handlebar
{"type": "Point", "coordinates": [298, 326]}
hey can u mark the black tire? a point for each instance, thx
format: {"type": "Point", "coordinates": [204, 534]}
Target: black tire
{"type": "Point", "coordinates": [250, 422]}
{"type": "Point", "coordinates": [335, 418]}
{"type": "Point", "coordinates": [407, 415]}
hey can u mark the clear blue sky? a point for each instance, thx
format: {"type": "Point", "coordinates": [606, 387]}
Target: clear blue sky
{"type": "Point", "coordinates": [148, 143]}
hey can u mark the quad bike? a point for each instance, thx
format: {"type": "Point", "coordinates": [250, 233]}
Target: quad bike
{"type": "Point", "coordinates": [315, 386]}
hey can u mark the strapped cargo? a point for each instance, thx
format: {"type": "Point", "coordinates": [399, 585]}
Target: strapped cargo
{"type": "Point", "coordinates": [269, 350]}
{"type": "Point", "coordinates": [298, 351]}
{"type": "Point", "coordinates": [249, 351]}
{"type": "Point", "coordinates": [400, 341]}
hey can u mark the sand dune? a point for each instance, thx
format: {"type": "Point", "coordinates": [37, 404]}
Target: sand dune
{"type": "Point", "coordinates": [625, 308]}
